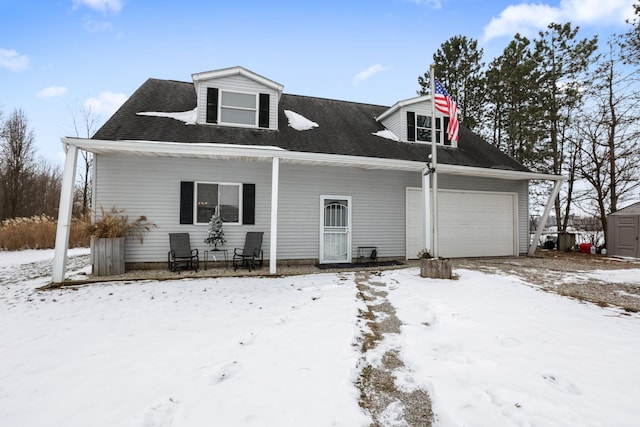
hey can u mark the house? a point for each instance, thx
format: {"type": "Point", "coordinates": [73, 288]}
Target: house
{"type": "Point", "coordinates": [623, 231]}
{"type": "Point", "coordinates": [320, 177]}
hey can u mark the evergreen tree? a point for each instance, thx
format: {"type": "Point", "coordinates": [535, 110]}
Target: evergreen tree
{"type": "Point", "coordinates": [216, 234]}
{"type": "Point", "coordinates": [458, 66]}
{"type": "Point", "coordinates": [513, 111]}
{"type": "Point", "coordinates": [563, 63]}
{"type": "Point", "coordinates": [631, 43]}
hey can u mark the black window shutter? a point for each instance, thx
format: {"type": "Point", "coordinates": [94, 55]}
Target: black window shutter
{"type": "Point", "coordinates": [447, 141]}
{"type": "Point", "coordinates": [263, 113]}
{"type": "Point", "coordinates": [212, 105]}
{"type": "Point", "coordinates": [248, 204]}
{"type": "Point", "coordinates": [411, 126]}
{"type": "Point", "coordinates": [186, 202]}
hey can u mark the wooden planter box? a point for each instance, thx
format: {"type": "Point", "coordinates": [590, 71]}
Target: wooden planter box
{"type": "Point", "coordinates": [107, 256]}
{"type": "Point", "coordinates": [436, 268]}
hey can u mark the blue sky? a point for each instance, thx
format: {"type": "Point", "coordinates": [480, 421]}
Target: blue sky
{"type": "Point", "coordinates": [58, 55]}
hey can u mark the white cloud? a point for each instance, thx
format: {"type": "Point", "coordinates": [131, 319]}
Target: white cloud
{"type": "Point", "coordinates": [96, 26]}
{"type": "Point", "coordinates": [524, 18]}
{"type": "Point", "coordinates": [106, 103]}
{"type": "Point", "coordinates": [365, 74]}
{"type": "Point", "coordinates": [436, 4]}
{"type": "Point", "coordinates": [114, 6]}
{"type": "Point", "coordinates": [52, 91]}
{"type": "Point", "coordinates": [12, 60]}
{"type": "Point", "coordinates": [529, 18]}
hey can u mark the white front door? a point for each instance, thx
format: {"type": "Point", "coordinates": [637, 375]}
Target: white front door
{"type": "Point", "coordinates": [335, 229]}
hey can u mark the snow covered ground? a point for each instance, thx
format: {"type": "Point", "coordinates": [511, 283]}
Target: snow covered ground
{"type": "Point", "coordinates": [490, 351]}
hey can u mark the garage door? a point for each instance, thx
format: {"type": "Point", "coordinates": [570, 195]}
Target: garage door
{"type": "Point", "coordinates": [471, 223]}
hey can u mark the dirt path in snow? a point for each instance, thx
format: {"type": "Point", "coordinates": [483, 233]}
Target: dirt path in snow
{"type": "Point", "coordinates": [387, 404]}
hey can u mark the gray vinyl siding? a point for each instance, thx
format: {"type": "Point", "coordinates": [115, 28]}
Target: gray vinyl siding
{"type": "Point", "coordinates": [521, 187]}
{"type": "Point", "coordinates": [240, 84]}
{"type": "Point", "coordinates": [150, 186]}
{"type": "Point", "coordinates": [397, 125]}
{"type": "Point", "coordinates": [377, 200]}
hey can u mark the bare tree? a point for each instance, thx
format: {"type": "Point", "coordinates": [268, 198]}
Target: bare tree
{"type": "Point", "coordinates": [18, 165]}
{"type": "Point", "coordinates": [608, 135]}
{"type": "Point", "coordinates": [85, 123]}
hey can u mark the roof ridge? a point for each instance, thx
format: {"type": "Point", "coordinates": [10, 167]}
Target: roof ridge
{"type": "Point", "coordinates": [335, 100]}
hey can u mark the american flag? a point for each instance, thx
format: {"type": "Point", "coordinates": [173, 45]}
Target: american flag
{"type": "Point", "coordinates": [446, 105]}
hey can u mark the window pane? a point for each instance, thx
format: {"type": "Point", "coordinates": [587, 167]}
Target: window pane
{"type": "Point", "coordinates": [243, 117]}
{"type": "Point", "coordinates": [207, 202]}
{"type": "Point", "coordinates": [423, 121]}
{"type": "Point", "coordinates": [238, 100]}
{"type": "Point", "coordinates": [423, 134]}
{"type": "Point", "coordinates": [230, 203]}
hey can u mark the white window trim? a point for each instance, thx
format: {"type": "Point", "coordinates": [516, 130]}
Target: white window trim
{"type": "Point", "coordinates": [255, 110]}
{"type": "Point", "coordinates": [195, 201]}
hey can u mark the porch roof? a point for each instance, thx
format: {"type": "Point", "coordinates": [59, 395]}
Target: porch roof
{"type": "Point", "coordinates": [267, 153]}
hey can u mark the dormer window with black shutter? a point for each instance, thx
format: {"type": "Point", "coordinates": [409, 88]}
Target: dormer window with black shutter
{"type": "Point", "coordinates": [229, 107]}
{"type": "Point", "coordinates": [237, 97]}
{"type": "Point", "coordinates": [419, 128]}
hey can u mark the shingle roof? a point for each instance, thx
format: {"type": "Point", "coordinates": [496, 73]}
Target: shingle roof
{"type": "Point", "coordinates": [345, 128]}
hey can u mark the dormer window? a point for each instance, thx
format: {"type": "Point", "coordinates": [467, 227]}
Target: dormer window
{"type": "Point", "coordinates": [238, 108]}
{"type": "Point", "coordinates": [233, 108]}
{"type": "Point", "coordinates": [419, 128]}
{"type": "Point", "coordinates": [423, 129]}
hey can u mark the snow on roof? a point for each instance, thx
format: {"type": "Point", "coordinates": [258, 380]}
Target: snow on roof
{"type": "Point", "coordinates": [298, 121]}
{"type": "Point", "coordinates": [387, 134]}
{"type": "Point", "coordinates": [188, 117]}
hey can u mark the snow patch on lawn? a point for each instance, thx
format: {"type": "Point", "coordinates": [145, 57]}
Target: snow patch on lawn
{"type": "Point", "coordinates": [489, 349]}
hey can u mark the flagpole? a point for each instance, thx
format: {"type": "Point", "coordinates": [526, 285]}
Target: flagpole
{"type": "Point", "coordinates": [434, 166]}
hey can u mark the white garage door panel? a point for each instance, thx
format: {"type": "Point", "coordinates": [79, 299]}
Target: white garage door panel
{"type": "Point", "coordinates": [471, 223]}
{"type": "Point", "coordinates": [476, 224]}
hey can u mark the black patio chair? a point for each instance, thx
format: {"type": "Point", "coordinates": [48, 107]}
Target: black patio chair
{"type": "Point", "coordinates": [180, 255]}
{"type": "Point", "coordinates": [251, 255]}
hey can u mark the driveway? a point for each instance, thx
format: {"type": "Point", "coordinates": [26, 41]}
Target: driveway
{"type": "Point", "coordinates": [596, 278]}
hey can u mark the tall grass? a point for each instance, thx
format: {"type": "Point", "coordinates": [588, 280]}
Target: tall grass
{"type": "Point", "coordinates": [39, 232]}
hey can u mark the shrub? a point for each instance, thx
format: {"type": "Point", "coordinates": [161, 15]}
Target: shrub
{"type": "Point", "coordinates": [114, 223]}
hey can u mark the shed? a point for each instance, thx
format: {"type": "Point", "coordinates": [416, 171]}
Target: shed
{"type": "Point", "coordinates": [623, 228]}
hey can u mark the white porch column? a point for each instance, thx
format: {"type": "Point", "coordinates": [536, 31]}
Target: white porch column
{"type": "Point", "coordinates": [64, 214]}
{"type": "Point", "coordinates": [273, 240]}
{"type": "Point", "coordinates": [552, 197]}
{"type": "Point", "coordinates": [426, 211]}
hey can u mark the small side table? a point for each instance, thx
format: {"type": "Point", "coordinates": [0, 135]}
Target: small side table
{"type": "Point", "coordinates": [213, 253]}
{"type": "Point", "coordinates": [363, 250]}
